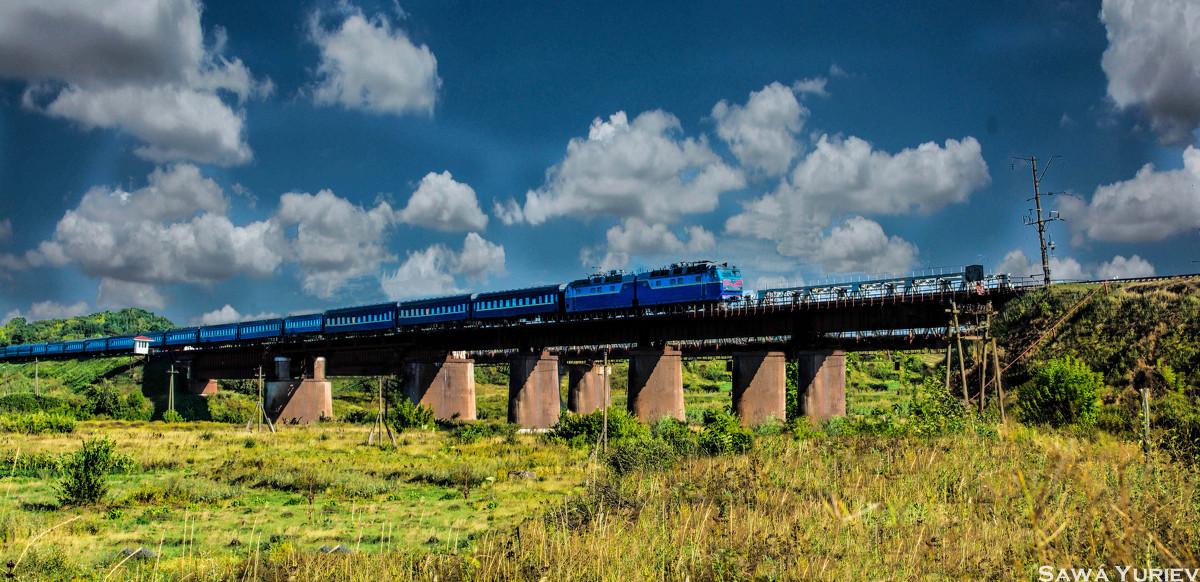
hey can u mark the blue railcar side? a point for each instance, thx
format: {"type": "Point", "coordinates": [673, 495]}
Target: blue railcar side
{"type": "Point", "coordinates": [436, 310]}
{"type": "Point", "coordinates": [37, 350]}
{"type": "Point", "coordinates": [74, 347]}
{"type": "Point", "coordinates": [218, 333]}
{"type": "Point", "coordinates": [612, 291]}
{"type": "Point", "coordinates": [157, 338]}
{"type": "Point", "coordinates": [364, 318]}
{"type": "Point", "coordinates": [688, 283]}
{"type": "Point", "coordinates": [298, 324]}
{"type": "Point", "coordinates": [55, 348]}
{"type": "Point", "coordinates": [122, 343]}
{"type": "Point", "coordinates": [260, 329]}
{"type": "Point", "coordinates": [182, 337]}
{"type": "Point", "coordinates": [95, 344]}
{"type": "Point", "coordinates": [518, 303]}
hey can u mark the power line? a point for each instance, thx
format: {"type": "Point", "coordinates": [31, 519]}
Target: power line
{"type": "Point", "coordinates": [1041, 220]}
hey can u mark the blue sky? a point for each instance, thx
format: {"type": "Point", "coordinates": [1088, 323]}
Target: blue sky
{"type": "Point", "coordinates": [227, 160]}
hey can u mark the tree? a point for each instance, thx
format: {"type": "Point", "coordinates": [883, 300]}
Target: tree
{"type": "Point", "coordinates": [1063, 392]}
{"type": "Point", "coordinates": [85, 473]}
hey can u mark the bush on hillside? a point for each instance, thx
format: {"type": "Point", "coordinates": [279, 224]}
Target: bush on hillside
{"type": "Point", "coordinates": [677, 435]}
{"type": "Point", "coordinates": [405, 416]}
{"type": "Point", "coordinates": [104, 399]}
{"type": "Point", "coordinates": [25, 402]}
{"type": "Point", "coordinates": [37, 423]}
{"type": "Point", "coordinates": [724, 434]}
{"type": "Point", "coordinates": [934, 411]}
{"type": "Point", "coordinates": [582, 430]}
{"type": "Point", "coordinates": [85, 473]}
{"type": "Point", "coordinates": [640, 454]}
{"type": "Point", "coordinates": [1061, 392]}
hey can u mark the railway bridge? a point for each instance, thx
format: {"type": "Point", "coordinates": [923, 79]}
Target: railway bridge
{"type": "Point", "coordinates": [759, 334]}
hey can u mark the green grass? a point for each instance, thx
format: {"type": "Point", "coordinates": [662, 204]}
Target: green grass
{"type": "Point", "coordinates": [219, 504]}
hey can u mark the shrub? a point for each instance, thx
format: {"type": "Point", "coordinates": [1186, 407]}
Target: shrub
{"type": "Point", "coordinates": [724, 434]}
{"type": "Point", "coordinates": [934, 411]}
{"type": "Point", "coordinates": [25, 402]}
{"type": "Point", "coordinates": [1062, 392]}
{"type": "Point", "coordinates": [230, 407]}
{"type": "Point", "coordinates": [640, 454]}
{"type": "Point", "coordinates": [37, 423]}
{"type": "Point", "coordinates": [582, 430]}
{"type": "Point", "coordinates": [85, 473]}
{"type": "Point", "coordinates": [360, 417]}
{"type": "Point", "coordinates": [172, 416]}
{"type": "Point", "coordinates": [676, 434]}
{"type": "Point", "coordinates": [405, 416]}
{"type": "Point", "coordinates": [472, 431]}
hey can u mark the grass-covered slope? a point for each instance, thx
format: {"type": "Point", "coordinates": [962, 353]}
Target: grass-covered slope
{"type": "Point", "coordinates": [1131, 333]}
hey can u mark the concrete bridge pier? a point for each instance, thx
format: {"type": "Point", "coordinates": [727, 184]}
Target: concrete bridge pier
{"type": "Point", "coordinates": [759, 386]}
{"type": "Point", "coordinates": [447, 386]}
{"type": "Point", "coordinates": [533, 390]}
{"type": "Point", "coordinates": [302, 401]}
{"type": "Point", "coordinates": [198, 385]}
{"type": "Point", "coordinates": [656, 384]}
{"type": "Point", "coordinates": [586, 389]}
{"type": "Point", "coordinates": [821, 384]}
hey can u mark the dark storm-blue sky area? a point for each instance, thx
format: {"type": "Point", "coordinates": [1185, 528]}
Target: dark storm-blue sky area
{"type": "Point", "coordinates": [221, 160]}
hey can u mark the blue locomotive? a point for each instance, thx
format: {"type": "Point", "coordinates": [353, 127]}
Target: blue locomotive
{"type": "Point", "coordinates": [696, 283]}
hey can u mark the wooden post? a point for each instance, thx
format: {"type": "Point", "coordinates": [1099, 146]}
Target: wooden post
{"type": "Point", "coordinates": [171, 387]}
{"type": "Point", "coordinates": [962, 363]}
{"type": "Point", "coordinates": [1146, 421]}
{"type": "Point", "coordinates": [381, 424]}
{"type": "Point", "coordinates": [999, 384]}
{"type": "Point", "coordinates": [983, 373]}
{"type": "Point", "coordinates": [37, 385]}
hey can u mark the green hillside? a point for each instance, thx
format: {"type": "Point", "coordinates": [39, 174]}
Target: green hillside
{"type": "Point", "coordinates": [108, 323]}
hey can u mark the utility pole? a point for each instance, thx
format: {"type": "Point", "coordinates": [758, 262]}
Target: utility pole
{"type": "Point", "coordinates": [1041, 220]}
{"type": "Point", "coordinates": [171, 387]}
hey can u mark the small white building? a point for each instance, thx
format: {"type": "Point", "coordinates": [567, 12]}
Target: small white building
{"type": "Point", "coordinates": [141, 345]}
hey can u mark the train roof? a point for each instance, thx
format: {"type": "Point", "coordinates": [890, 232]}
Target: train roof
{"type": "Point", "coordinates": [358, 308]}
{"type": "Point", "coordinates": [520, 292]}
{"type": "Point", "coordinates": [449, 299]}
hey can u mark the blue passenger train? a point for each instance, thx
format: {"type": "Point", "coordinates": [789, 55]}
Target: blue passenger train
{"type": "Point", "coordinates": [613, 293]}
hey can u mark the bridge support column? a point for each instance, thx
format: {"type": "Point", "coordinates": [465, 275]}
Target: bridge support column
{"type": "Point", "coordinates": [200, 385]}
{"type": "Point", "coordinates": [447, 386]}
{"type": "Point", "coordinates": [759, 386]}
{"type": "Point", "coordinates": [586, 390]}
{"type": "Point", "coordinates": [534, 400]}
{"type": "Point", "coordinates": [300, 401]}
{"type": "Point", "coordinates": [656, 384]}
{"type": "Point", "coordinates": [821, 383]}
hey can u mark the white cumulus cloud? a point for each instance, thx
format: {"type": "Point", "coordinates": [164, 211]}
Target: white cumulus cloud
{"type": "Point", "coordinates": [49, 310]}
{"type": "Point", "coordinates": [442, 203]}
{"type": "Point", "coordinates": [844, 179]}
{"type": "Point", "coordinates": [762, 134]}
{"type": "Point", "coordinates": [366, 64]}
{"type": "Point", "coordinates": [1121, 268]}
{"type": "Point", "coordinates": [228, 314]}
{"type": "Point", "coordinates": [635, 237]}
{"type": "Point", "coordinates": [173, 230]}
{"type": "Point", "coordinates": [133, 66]}
{"type": "Point", "coordinates": [335, 240]}
{"type": "Point", "coordinates": [630, 169]}
{"type": "Point", "coordinates": [115, 294]}
{"type": "Point", "coordinates": [860, 245]}
{"type": "Point", "coordinates": [1017, 264]}
{"type": "Point", "coordinates": [1153, 62]}
{"type": "Point", "coordinates": [1151, 206]}
{"type": "Point", "coordinates": [431, 271]}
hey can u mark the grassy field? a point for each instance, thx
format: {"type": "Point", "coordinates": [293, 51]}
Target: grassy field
{"type": "Point", "coordinates": [214, 503]}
